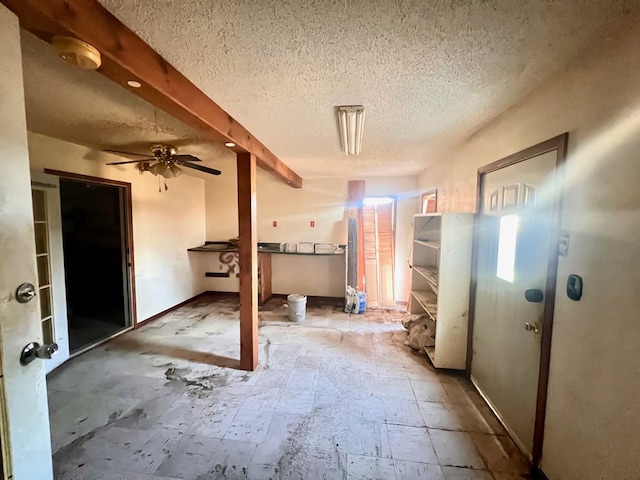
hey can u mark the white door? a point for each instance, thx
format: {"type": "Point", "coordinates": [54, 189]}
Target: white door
{"type": "Point", "coordinates": [25, 438]}
{"type": "Point", "coordinates": [513, 248]}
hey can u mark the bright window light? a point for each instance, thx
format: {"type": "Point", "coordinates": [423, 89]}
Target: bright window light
{"type": "Point", "coordinates": [507, 247]}
{"type": "Point", "coordinates": [377, 200]}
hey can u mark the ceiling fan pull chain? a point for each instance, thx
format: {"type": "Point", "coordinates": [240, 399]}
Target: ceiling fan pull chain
{"type": "Point", "coordinates": [165, 185]}
{"type": "Point", "coordinates": [159, 189]}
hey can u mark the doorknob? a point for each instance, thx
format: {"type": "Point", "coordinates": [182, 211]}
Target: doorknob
{"type": "Point", "coordinates": [25, 293]}
{"type": "Point", "coordinates": [34, 350]}
{"type": "Point", "coordinates": [534, 295]}
{"type": "Point", "coordinates": [532, 327]}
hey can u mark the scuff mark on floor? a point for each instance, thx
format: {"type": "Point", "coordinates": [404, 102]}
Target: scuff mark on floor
{"type": "Point", "coordinates": [267, 346]}
{"type": "Point", "coordinates": [207, 382]}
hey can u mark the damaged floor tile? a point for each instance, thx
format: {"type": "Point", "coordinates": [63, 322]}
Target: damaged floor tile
{"type": "Point", "coordinates": [337, 396]}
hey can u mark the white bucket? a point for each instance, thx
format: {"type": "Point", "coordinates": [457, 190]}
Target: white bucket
{"type": "Point", "coordinates": [297, 307]}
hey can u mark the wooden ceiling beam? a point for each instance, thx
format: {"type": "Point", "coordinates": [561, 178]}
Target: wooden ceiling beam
{"type": "Point", "coordinates": [125, 56]}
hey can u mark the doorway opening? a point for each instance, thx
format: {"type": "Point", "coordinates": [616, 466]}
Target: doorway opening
{"type": "Point", "coordinates": [97, 270]}
{"type": "Point", "coordinates": [378, 229]}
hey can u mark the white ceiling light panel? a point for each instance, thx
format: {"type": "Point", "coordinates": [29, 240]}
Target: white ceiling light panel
{"type": "Point", "coordinates": [351, 118]}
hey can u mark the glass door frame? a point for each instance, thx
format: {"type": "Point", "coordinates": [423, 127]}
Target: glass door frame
{"type": "Point", "coordinates": [127, 224]}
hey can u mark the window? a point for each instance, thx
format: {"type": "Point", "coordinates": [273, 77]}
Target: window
{"type": "Point", "coordinates": [507, 239]}
{"type": "Point", "coordinates": [41, 230]}
{"type": "Point", "coordinates": [429, 202]}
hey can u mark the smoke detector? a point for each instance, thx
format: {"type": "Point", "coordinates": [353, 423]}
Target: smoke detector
{"type": "Point", "coordinates": [76, 52]}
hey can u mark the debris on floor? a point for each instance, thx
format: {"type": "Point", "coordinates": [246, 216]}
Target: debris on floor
{"type": "Point", "coordinates": [422, 332]}
{"type": "Point", "coordinates": [337, 397]}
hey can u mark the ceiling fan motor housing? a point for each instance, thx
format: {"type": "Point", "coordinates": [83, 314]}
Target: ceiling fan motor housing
{"type": "Point", "coordinates": [163, 152]}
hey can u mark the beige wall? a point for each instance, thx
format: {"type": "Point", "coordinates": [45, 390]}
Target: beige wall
{"type": "Point", "coordinates": [592, 425]}
{"type": "Point", "coordinates": [321, 200]}
{"type": "Point", "coordinates": [164, 224]}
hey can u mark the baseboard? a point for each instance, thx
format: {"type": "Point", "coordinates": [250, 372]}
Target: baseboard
{"type": "Point", "coordinates": [279, 295]}
{"type": "Point", "coordinates": [538, 474]}
{"type": "Point", "coordinates": [285, 295]}
{"type": "Point", "coordinates": [171, 309]}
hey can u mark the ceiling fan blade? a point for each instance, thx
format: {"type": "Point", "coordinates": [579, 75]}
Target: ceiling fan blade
{"type": "Point", "coordinates": [188, 158]}
{"type": "Point", "coordinates": [148, 159]}
{"type": "Point", "coordinates": [126, 154]}
{"type": "Point", "coordinates": [212, 171]}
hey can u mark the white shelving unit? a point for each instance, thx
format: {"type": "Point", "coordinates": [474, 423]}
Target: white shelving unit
{"type": "Point", "coordinates": [440, 281]}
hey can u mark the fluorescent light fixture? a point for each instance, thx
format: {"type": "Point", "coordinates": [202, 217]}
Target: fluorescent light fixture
{"type": "Point", "coordinates": [351, 118]}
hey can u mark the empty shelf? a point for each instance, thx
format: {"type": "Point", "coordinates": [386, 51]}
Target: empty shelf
{"type": "Point", "coordinates": [435, 245]}
{"type": "Point", "coordinates": [430, 273]}
{"type": "Point", "coordinates": [428, 301]}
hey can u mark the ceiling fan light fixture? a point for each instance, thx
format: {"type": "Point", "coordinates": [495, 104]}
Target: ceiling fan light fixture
{"type": "Point", "coordinates": [175, 170]}
{"type": "Point", "coordinates": [158, 169]}
{"type": "Point", "coordinates": [351, 121]}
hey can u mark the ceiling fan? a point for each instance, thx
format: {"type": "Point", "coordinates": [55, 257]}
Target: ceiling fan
{"type": "Point", "coordinates": [165, 161]}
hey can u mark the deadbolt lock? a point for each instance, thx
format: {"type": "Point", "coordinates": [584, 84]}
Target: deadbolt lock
{"type": "Point", "coordinates": [25, 293]}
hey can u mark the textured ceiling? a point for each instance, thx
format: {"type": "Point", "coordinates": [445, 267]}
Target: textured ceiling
{"type": "Point", "coordinates": [88, 109]}
{"type": "Point", "coordinates": [428, 73]}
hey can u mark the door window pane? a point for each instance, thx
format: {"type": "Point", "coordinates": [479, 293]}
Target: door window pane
{"type": "Point", "coordinates": [507, 247]}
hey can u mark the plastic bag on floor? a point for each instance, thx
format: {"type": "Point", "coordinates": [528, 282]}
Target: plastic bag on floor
{"type": "Point", "coordinates": [422, 332]}
{"type": "Point", "coordinates": [352, 302]}
{"type": "Point", "coordinates": [413, 320]}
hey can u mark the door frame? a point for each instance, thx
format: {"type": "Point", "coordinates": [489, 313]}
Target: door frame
{"type": "Point", "coordinates": [394, 199]}
{"type": "Point", "coordinates": [559, 144]}
{"type": "Point", "coordinates": [128, 224]}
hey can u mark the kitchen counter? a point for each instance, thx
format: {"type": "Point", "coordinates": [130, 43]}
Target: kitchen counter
{"type": "Point", "coordinates": [221, 247]}
{"type": "Point", "coordinates": [228, 256]}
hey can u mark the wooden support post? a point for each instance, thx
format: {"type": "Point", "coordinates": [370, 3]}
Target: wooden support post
{"type": "Point", "coordinates": [354, 253]}
{"type": "Point", "coordinates": [248, 261]}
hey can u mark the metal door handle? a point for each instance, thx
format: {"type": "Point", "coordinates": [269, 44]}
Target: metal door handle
{"type": "Point", "coordinates": [34, 350]}
{"type": "Point", "coordinates": [532, 327]}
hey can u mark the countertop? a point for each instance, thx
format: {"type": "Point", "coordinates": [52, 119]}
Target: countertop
{"type": "Point", "coordinates": [263, 247]}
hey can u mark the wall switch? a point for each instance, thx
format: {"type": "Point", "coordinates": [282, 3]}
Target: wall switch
{"type": "Point", "coordinates": [275, 223]}
{"type": "Point", "coordinates": [313, 224]}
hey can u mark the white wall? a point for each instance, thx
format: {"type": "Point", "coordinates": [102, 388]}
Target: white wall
{"type": "Point", "coordinates": [322, 200]}
{"type": "Point", "coordinates": [165, 224]}
{"type": "Point", "coordinates": [592, 424]}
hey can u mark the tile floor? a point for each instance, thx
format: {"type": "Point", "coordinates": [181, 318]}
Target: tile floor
{"type": "Point", "coordinates": [335, 397]}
